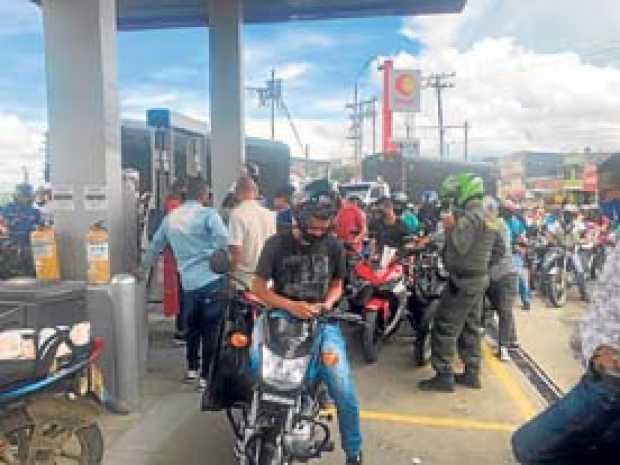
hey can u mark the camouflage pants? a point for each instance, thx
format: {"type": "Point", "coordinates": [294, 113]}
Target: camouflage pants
{"type": "Point", "coordinates": [457, 325]}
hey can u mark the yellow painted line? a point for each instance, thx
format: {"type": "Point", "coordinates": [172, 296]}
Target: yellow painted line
{"type": "Point", "coordinates": [518, 395]}
{"type": "Point", "coordinates": [436, 422]}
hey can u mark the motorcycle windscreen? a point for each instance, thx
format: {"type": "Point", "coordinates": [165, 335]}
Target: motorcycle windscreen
{"type": "Point", "coordinates": [289, 337]}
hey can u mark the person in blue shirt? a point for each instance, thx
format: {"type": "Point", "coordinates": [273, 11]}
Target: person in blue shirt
{"type": "Point", "coordinates": [518, 233]}
{"type": "Point", "coordinates": [20, 216]}
{"type": "Point", "coordinates": [282, 204]}
{"type": "Point", "coordinates": [194, 231]}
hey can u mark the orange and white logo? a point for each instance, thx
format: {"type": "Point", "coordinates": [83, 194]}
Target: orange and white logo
{"type": "Point", "coordinates": [406, 84]}
{"type": "Point", "coordinates": [405, 91]}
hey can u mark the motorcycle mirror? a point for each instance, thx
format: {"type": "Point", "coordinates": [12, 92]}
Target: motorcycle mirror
{"type": "Point", "coordinates": [219, 261]}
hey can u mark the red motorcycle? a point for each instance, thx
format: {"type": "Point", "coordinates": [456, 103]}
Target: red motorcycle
{"type": "Point", "coordinates": [379, 295]}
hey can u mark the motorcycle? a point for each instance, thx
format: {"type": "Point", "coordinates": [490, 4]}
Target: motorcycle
{"type": "Point", "coordinates": [560, 274]}
{"type": "Point", "coordinates": [47, 412]}
{"type": "Point", "coordinates": [537, 248]}
{"type": "Point", "coordinates": [15, 259]}
{"type": "Point", "coordinates": [275, 417]}
{"type": "Point", "coordinates": [379, 295]}
{"type": "Point", "coordinates": [599, 253]}
{"type": "Point", "coordinates": [426, 279]}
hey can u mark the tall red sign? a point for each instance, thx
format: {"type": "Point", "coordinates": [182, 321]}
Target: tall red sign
{"type": "Point", "coordinates": [389, 148]}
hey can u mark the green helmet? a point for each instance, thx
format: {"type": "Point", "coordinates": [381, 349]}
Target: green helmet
{"type": "Point", "coordinates": [462, 188]}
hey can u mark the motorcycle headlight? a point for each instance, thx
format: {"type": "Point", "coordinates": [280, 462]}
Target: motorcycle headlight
{"type": "Point", "coordinates": [281, 373]}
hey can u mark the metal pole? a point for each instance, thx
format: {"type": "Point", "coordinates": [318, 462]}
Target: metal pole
{"type": "Point", "coordinates": [440, 122]}
{"type": "Point", "coordinates": [465, 147]}
{"type": "Point", "coordinates": [273, 104]}
{"type": "Point", "coordinates": [374, 125]}
{"type": "Point", "coordinates": [357, 131]}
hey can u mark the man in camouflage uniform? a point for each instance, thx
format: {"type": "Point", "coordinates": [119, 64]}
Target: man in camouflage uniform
{"type": "Point", "coordinates": [470, 240]}
{"type": "Point", "coordinates": [583, 428]}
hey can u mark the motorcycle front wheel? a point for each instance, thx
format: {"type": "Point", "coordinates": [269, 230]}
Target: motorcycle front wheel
{"type": "Point", "coordinates": [372, 337]}
{"type": "Point", "coordinates": [557, 290]}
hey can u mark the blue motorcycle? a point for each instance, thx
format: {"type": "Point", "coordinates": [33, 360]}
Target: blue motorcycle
{"type": "Point", "coordinates": [47, 408]}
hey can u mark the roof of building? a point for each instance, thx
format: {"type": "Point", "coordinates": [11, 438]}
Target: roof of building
{"type": "Point", "coordinates": [159, 14]}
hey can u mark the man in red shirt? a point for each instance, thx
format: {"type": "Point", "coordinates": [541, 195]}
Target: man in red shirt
{"type": "Point", "coordinates": [351, 225]}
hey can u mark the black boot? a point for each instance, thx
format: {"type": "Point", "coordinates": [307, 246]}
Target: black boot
{"type": "Point", "coordinates": [470, 379]}
{"type": "Point", "coordinates": [442, 382]}
{"type": "Point", "coordinates": [354, 460]}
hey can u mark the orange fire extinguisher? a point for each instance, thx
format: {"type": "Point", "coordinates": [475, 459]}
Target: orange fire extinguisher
{"type": "Point", "coordinates": [45, 253]}
{"type": "Point", "coordinates": [98, 254]}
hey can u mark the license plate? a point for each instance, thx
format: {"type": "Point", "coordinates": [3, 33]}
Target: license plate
{"type": "Point", "coordinates": [276, 399]}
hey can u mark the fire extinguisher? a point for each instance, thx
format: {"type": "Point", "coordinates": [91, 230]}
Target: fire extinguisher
{"type": "Point", "coordinates": [98, 254]}
{"type": "Point", "coordinates": [45, 253]}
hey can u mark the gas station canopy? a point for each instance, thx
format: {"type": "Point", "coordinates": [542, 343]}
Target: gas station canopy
{"type": "Point", "coordinates": [157, 14]}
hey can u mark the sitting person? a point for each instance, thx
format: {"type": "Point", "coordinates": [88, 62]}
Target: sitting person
{"type": "Point", "coordinates": [583, 428]}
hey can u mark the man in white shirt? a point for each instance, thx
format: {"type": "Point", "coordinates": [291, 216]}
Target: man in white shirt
{"type": "Point", "coordinates": [250, 226]}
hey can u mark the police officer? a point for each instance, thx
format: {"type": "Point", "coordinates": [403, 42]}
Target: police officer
{"type": "Point", "coordinates": [470, 242]}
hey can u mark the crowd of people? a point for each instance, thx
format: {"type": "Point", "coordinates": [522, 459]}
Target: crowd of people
{"type": "Point", "coordinates": [293, 258]}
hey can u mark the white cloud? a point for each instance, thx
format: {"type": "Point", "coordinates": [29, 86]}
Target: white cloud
{"type": "Point", "coordinates": [20, 146]}
{"type": "Point", "coordinates": [325, 138]}
{"type": "Point", "coordinates": [517, 89]}
{"type": "Point", "coordinates": [19, 17]}
{"type": "Point", "coordinates": [291, 71]}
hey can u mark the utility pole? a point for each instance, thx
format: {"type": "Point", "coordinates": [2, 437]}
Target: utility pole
{"type": "Point", "coordinates": [272, 86]}
{"type": "Point", "coordinates": [440, 81]}
{"type": "Point", "coordinates": [374, 125]}
{"type": "Point", "coordinates": [360, 110]}
{"type": "Point", "coordinates": [466, 140]}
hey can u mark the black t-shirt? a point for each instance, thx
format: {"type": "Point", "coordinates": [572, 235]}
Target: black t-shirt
{"type": "Point", "coordinates": [301, 272]}
{"type": "Point", "coordinates": [391, 234]}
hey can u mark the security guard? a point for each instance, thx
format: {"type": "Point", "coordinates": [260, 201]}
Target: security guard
{"type": "Point", "coordinates": [470, 242]}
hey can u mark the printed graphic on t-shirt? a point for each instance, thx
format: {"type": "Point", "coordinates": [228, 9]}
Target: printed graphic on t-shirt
{"type": "Point", "coordinates": [306, 276]}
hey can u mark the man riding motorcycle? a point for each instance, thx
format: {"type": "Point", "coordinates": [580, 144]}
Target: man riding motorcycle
{"type": "Point", "coordinates": [566, 232]}
{"type": "Point", "coordinates": [471, 243]}
{"type": "Point", "coordinates": [307, 267]}
{"type": "Point", "coordinates": [405, 213]}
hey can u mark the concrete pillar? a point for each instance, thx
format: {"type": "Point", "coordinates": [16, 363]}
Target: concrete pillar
{"type": "Point", "coordinates": [226, 93]}
{"type": "Point", "coordinates": [84, 131]}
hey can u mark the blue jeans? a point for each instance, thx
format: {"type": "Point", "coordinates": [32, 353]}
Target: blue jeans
{"type": "Point", "coordinates": [338, 378]}
{"type": "Point", "coordinates": [202, 311]}
{"type": "Point", "coordinates": [582, 428]}
{"type": "Point", "coordinates": [518, 260]}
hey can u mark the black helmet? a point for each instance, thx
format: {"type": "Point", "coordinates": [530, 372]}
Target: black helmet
{"type": "Point", "coordinates": [400, 198]}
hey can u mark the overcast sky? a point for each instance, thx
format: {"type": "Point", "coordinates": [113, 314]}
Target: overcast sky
{"type": "Point", "coordinates": [531, 74]}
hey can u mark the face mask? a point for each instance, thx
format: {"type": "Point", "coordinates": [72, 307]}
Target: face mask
{"type": "Point", "coordinates": [311, 239]}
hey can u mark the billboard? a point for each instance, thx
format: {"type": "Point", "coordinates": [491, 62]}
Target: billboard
{"type": "Point", "coordinates": [405, 91]}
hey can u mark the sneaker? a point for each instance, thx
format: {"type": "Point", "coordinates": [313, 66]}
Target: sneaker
{"type": "Point", "coordinates": [179, 339]}
{"type": "Point", "coordinates": [526, 306]}
{"type": "Point", "coordinates": [503, 354]}
{"type": "Point", "coordinates": [191, 376]}
{"type": "Point", "coordinates": [202, 384]}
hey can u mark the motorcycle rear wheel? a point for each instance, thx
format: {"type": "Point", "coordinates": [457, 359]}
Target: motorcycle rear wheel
{"type": "Point", "coordinates": [372, 338]}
